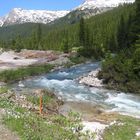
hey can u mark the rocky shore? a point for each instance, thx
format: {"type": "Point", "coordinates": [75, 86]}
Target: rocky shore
{"type": "Point", "coordinates": [91, 79]}
{"type": "Point", "coordinates": [15, 60]}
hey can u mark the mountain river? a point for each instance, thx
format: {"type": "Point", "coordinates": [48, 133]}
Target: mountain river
{"type": "Point", "coordinates": [65, 84]}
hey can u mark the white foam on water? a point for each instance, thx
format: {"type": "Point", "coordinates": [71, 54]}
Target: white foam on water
{"type": "Point", "coordinates": [81, 97]}
{"type": "Point", "coordinates": [124, 103]}
{"type": "Point", "coordinates": [63, 73]}
{"type": "Point", "coordinates": [55, 83]}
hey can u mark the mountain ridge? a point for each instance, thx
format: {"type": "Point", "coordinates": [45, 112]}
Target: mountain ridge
{"type": "Point", "coordinates": [87, 8]}
{"type": "Point", "coordinates": [19, 15]}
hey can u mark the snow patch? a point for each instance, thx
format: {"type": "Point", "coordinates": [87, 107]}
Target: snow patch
{"type": "Point", "coordinates": [92, 4]}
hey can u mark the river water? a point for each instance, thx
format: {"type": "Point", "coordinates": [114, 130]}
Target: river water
{"type": "Point", "coordinates": [64, 83]}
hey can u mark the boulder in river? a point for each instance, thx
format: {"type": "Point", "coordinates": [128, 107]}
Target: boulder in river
{"type": "Point", "coordinates": [91, 79]}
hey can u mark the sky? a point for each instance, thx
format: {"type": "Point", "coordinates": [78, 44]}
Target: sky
{"type": "Point", "coordinates": [7, 5]}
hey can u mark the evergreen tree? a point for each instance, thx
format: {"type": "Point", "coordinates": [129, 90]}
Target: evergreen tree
{"type": "Point", "coordinates": [18, 44]}
{"type": "Point", "coordinates": [136, 58]}
{"type": "Point", "coordinates": [33, 41]}
{"type": "Point", "coordinates": [122, 35]}
{"type": "Point", "coordinates": [39, 32]}
{"type": "Point", "coordinates": [65, 46]}
{"type": "Point", "coordinates": [82, 32]}
{"type": "Point", "coordinates": [13, 44]}
{"type": "Point", "coordinates": [39, 36]}
{"type": "Point", "coordinates": [135, 28]}
{"type": "Point", "coordinates": [112, 44]}
{"type": "Point", "coordinates": [87, 39]}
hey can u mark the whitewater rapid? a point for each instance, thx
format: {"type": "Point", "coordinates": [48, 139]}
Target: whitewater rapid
{"type": "Point", "coordinates": [64, 84]}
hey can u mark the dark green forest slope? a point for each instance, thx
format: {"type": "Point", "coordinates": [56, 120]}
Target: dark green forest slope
{"type": "Point", "coordinates": [122, 71]}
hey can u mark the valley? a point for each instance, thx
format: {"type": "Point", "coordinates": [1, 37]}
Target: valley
{"type": "Point", "coordinates": [71, 74]}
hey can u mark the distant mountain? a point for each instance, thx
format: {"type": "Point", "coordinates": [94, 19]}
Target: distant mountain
{"type": "Point", "coordinates": [87, 9]}
{"type": "Point", "coordinates": [90, 8]}
{"type": "Point", "coordinates": [93, 4]}
{"type": "Point", "coordinates": [1, 21]}
{"type": "Point", "coordinates": [19, 16]}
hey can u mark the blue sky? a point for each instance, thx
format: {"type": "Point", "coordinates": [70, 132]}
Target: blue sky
{"type": "Point", "coordinates": [7, 5]}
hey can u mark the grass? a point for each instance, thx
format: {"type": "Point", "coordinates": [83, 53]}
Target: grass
{"type": "Point", "coordinates": [127, 131]}
{"type": "Point", "coordinates": [5, 103]}
{"type": "Point", "coordinates": [47, 98]}
{"type": "Point", "coordinates": [21, 73]}
{"type": "Point", "coordinates": [30, 126]}
{"type": "Point", "coordinates": [3, 89]}
{"type": "Point", "coordinates": [33, 127]}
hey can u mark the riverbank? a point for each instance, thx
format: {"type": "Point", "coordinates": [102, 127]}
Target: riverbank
{"type": "Point", "coordinates": [105, 125]}
{"type": "Point", "coordinates": [14, 60]}
{"type": "Point", "coordinates": [22, 116]}
{"type": "Point", "coordinates": [22, 111]}
{"type": "Point", "coordinates": [9, 76]}
{"type": "Point", "coordinates": [18, 66]}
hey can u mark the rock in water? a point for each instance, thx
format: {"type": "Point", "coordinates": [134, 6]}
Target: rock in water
{"type": "Point", "coordinates": [91, 79]}
{"type": "Point", "coordinates": [21, 84]}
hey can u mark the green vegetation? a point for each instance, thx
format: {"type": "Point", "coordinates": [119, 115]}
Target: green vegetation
{"type": "Point", "coordinates": [48, 97]}
{"type": "Point", "coordinates": [3, 90]}
{"type": "Point", "coordinates": [31, 126]}
{"type": "Point", "coordinates": [78, 60]}
{"type": "Point", "coordinates": [122, 71]}
{"type": "Point", "coordinates": [125, 129]}
{"type": "Point", "coordinates": [21, 73]}
{"type": "Point", "coordinates": [98, 33]}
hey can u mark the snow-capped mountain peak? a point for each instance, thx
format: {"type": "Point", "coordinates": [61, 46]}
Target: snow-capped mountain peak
{"type": "Point", "coordinates": [91, 4]}
{"type": "Point", "coordinates": [18, 16]}
{"type": "Point", "coordinates": [1, 21]}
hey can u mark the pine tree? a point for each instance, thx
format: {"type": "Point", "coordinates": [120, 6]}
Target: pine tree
{"type": "Point", "coordinates": [82, 32]}
{"type": "Point", "coordinates": [138, 11]}
{"type": "Point", "coordinates": [39, 36]}
{"type": "Point", "coordinates": [39, 32]}
{"type": "Point", "coordinates": [135, 26]}
{"type": "Point", "coordinates": [136, 58]}
{"type": "Point", "coordinates": [18, 43]}
{"type": "Point", "coordinates": [122, 35]}
{"type": "Point", "coordinates": [65, 44]}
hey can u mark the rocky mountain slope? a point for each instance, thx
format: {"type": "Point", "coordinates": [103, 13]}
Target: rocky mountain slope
{"type": "Point", "coordinates": [90, 8]}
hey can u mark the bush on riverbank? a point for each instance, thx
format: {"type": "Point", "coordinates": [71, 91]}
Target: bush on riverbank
{"type": "Point", "coordinates": [21, 73]}
{"type": "Point", "coordinates": [118, 73]}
